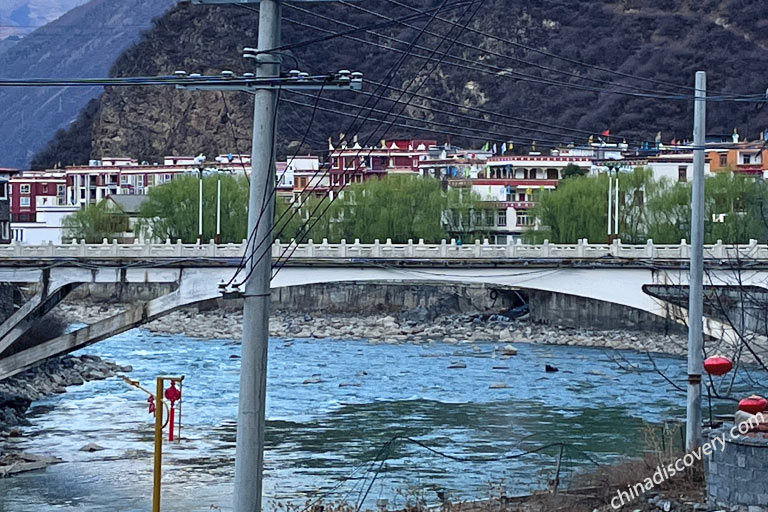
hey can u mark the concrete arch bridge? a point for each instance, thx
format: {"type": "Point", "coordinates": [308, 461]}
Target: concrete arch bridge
{"type": "Point", "coordinates": [647, 278]}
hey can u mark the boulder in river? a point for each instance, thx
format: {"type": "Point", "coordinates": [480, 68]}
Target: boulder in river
{"type": "Point", "coordinates": [509, 350]}
{"type": "Point", "coordinates": [92, 447]}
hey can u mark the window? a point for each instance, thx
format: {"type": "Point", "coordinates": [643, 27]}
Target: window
{"type": "Point", "coordinates": [60, 190]}
{"type": "Point", "coordinates": [123, 179]}
{"type": "Point", "coordinates": [489, 218]}
{"type": "Point", "coordinates": [723, 160]}
{"type": "Point", "coordinates": [523, 219]}
{"type": "Point", "coordinates": [18, 235]}
{"type": "Point", "coordinates": [682, 173]}
{"type": "Point", "coordinates": [24, 189]}
{"type": "Point", "coordinates": [747, 159]}
{"type": "Point", "coordinates": [24, 202]}
{"type": "Point", "coordinates": [167, 177]}
{"type": "Point", "coordinates": [552, 174]}
{"type": "Point", "coordinates": [140, 180]}
{"type": "Point", "coordinates": [3, 190]}
{"type": "Point", "coordinates": [478, 217]}
{"type": "Point", "coordinates": [501, 218]}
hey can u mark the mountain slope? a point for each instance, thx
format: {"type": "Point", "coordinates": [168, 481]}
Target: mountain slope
{"type": "Point", "coordinates": [19, 17]}
{"type": "Point", "coordinates": [83, 43]}
{"type": "Point", "coordinates": [666, 41]}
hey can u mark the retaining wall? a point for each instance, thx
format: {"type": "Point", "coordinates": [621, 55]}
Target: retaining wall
{"type": "Point", "coordinates": [736, 476]}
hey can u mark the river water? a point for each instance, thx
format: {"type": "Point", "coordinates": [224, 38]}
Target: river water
{"type": "Point", "coordinates": [323, 437]}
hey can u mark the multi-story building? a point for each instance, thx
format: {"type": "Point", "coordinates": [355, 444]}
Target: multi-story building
{"type": "Point", "coordinates": [747, 158]}
{"type": "Point", "coordinates": [38, 206]}
{"type": "Point", "coordinates": [305, 178]}
{"type": "Point", "coordinates": [5, 204]}
{"type": "Point", "coordinates": [675, 166]}
{"type": "Point", "coordinates": [354, 163]}
{"type": "Point", "coordinates": [41, 200]}
{"type": "Point", "coordinates": [508, 186]}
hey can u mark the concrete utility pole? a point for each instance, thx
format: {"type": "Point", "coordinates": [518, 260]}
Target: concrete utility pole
{"type": "Point", "coordinates": [693, 436]}
{"type": "Point", "coordinates": [249, 461]}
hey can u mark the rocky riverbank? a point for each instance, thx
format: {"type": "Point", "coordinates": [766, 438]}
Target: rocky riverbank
{"type": "Point", "coordinates": [17, 394]}
{"type": "Point", "coordinates": [419, 325]}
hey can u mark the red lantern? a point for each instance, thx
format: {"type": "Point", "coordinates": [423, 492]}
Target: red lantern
{"type": "Point", "coordinates": [718, 365]}
{"type": "Point", "coordinates": [173, 395]}
{"type": "Point", "coordinates": [753, 405]}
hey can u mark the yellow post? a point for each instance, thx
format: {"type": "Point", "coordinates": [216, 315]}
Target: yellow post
{"type": "Point", "coordinates": [158, 444]}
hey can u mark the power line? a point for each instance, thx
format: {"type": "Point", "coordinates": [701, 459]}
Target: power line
{"type": "Point", "coordinates": [495, 53]}
{"type": "Point", "coordinates": [189, 80]}
{"type": "Point", "coordinates": [389, 77]}
{"type": "Point", "coordinates": [505, 136]}
{"type": "Point", "coordinates": [334, 35]}
{"type": "Point", "coordinates": [423, 81]}
{"type": "Point", "coordinates": [499, 71]}
{"type": "Point", "coordinates": [560, 57]}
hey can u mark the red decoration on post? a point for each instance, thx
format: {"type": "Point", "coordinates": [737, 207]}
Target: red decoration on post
{"type": "Point", "coordinates": [718, 365]}
{"type": "Point", "coordinates": [753, 405]}
{"type": "Point", "coordinates": [151, 401]}
{"type": "Point", "coordinates": [173, 395]}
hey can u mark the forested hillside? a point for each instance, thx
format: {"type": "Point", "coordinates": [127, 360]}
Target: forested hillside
{"type": "Point", "coordinates": [552, 66]}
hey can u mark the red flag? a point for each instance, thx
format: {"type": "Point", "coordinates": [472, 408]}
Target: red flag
{"type": "Point", "coordinates": [606, 133]}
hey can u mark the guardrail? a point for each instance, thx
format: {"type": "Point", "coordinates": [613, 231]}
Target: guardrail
{"type": "Point", "coordinates": [419, 250]}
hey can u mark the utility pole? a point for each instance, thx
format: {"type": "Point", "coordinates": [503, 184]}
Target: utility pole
{"type": "Point", "coordinates": [693, 437]}
{"type": "Point", "coordinates": [249, 457]}
{"type": "Point", "coordinates": [200, 207]}
{"type": "Point", "coordinates": [610, 204]}
{"type": "Point", "coordinates": [218, 208]}
{"type": "Point", "coordinates": [249, 460]}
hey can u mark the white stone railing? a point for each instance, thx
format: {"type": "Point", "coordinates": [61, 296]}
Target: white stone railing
{"type": "Point", "coordinates": [411, 250]}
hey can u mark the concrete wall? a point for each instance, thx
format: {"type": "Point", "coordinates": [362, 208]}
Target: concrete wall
{"type": "Point", "coordinates": [736, 475]}
{"type": "Point", "coordinates": [573, 311]}
{"type": "Point", "coordinates": [390, 297]}
{"type": "Point", "coordinates": [370, 297]}
{"type": "Point", "coordinates": [351, 297]}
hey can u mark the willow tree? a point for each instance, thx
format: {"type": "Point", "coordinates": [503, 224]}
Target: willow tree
{"type": "Point", "coordinates": [399, 208]}
{"type": "Point", "coordinates": [577, 209]}
{"type": "Point", "coordinates": [736, 208]}
{"type": "Point", "coordinates": [94, 223]}
{"type": "Point", "coordinates": [171, 210]}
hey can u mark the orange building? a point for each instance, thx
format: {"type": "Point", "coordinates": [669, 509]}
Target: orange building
{"type": "Point", "coordinates": [748, 158]}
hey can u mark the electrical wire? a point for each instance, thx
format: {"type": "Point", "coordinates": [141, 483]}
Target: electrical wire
{"type": "Point", "coordinates": [292, 247]}
{"type": "Point", "coordinates": [153, 80]}
{"type": "Point", "coordinates": [388, 78]}
{"type": "Point", "coordinates": [334, 35]}
{"type": "Point", "coordinates": [267, 201]}
{"type": "Point", "coordinates": [504, 136]}
{"type": "Point", "coordinates": [492, 52]}
{"type": "Point", "coordinates": [560, 57]}
{"type": "Point", "coordinates": [234, 135]}
{"type": "Point", "coordinates": [499, 71]}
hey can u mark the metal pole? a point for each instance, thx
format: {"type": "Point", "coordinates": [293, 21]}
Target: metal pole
{"type": "Point", "coordinates": [200, 209]}
{"type": "Point", "coordinates": [218, 210]}
{"type": "Point", "coordinates": [610, 206]}
{"type": "Point", "coordinates": [158, 445]}
{"type": "Point", "coordinates": [695, 294]}
{"type": "Point", "coordinates": [249, 459]}
{"type": "Point", "coordinates": [616, 205]}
